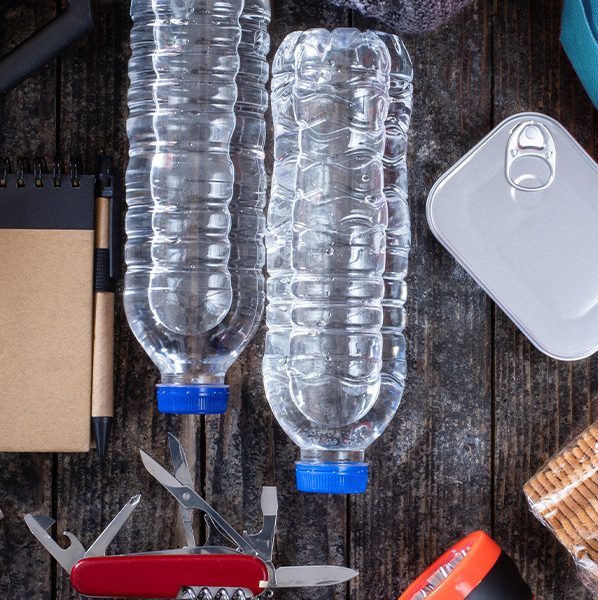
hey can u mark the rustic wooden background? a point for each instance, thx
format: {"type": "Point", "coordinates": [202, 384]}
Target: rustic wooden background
{"type": "Point", "coordinates": [482, 411]}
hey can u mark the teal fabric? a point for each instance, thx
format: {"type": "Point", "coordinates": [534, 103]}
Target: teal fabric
{"type": "Point", "coordinates": [579, 36]}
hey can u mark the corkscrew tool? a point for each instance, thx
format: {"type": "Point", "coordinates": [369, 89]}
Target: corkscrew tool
{"type": "Point", "coordinates": [240, 570]}
{"type": "Point", "coordinates": [475, 568]}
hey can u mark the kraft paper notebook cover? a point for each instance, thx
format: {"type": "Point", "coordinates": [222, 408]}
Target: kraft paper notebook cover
{"type": "Point", "coordinates": [46, 303]}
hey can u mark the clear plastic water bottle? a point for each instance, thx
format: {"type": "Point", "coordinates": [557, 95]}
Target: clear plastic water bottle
{"type": "Point", "coordinates": [196, 191]}
{"type": "Point", "coordinates": [248, 222]}
{"type": "Point", "coordinates": [337, 243]}
{"type": "Point", "coordinates": [142, 142]}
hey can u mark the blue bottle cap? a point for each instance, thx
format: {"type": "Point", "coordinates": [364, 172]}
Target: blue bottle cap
{"type": "Point", "coordinates": [332, 477]}
{"type": "Point", "coordinates": [192, 399]}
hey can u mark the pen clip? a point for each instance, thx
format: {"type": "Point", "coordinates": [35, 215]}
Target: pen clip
{"type": "Point", "coordinates": [107, 187]}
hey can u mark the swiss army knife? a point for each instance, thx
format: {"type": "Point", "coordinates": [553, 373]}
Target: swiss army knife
{"type": "Point", "coordinates": [238, 571]}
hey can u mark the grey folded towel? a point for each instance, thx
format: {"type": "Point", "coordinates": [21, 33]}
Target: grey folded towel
{"type": "Point", "coordinates": [407, 16]}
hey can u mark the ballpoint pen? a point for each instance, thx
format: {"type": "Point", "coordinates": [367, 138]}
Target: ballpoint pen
{"type": "Point", "coordinates": [102, 395]}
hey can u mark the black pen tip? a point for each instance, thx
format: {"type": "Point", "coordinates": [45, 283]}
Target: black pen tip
{"type": "Point", "coordinates": [101, 429]}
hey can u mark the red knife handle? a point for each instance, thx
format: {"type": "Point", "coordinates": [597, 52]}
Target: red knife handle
{"type": "Point", "coordinates": [163, 576]}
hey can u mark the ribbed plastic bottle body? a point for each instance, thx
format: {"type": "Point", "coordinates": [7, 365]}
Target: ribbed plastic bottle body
{"type": "Point", "coordinates": [140, 131]}
{"type": "Point", "coordinates": [192, 362]}
{"type": "Point", "coordinates": [398, 231]}
{"type": "Point", "coordinates": [138, 224]}
{"type": "Point", "coordinates": [279, 238]}
{"type": "Point", "coordinates": [248, 222]}
{"type": "Point", "coordinates": [196, 63]}
{"type": "Point", "coordinates": [340, 99]}
{"type": "Point", "coordinates": [331, 453]}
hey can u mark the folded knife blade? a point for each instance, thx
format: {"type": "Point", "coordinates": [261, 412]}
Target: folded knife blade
{"type": "Point", "coordinates": [311, 576]}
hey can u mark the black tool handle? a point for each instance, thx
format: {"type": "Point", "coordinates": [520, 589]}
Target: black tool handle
{"type": "Point", "coordinates": [71, 24]}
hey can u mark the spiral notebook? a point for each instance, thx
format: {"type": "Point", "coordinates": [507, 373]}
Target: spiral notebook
{"type": "Point", "coordinates": [46, 303]}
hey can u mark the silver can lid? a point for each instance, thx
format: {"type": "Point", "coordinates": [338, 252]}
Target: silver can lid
{"type": "Point", "coordinates": [520, 213]}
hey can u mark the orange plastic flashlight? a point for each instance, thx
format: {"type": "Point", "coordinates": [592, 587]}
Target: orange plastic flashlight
{"type": "Point", "coordinates": [475, 568]}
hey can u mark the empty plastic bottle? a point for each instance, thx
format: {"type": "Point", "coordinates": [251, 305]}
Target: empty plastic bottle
{"type": "Point", "coordinates": [248, 222]}
{"type": "Point", "coordinates": [194, 289]}
{"type": "Point", "coordinates": [196, 63]}
{"type": "Point", "coordinates": [337, 243]}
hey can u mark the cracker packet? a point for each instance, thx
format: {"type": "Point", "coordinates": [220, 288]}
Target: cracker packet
{"type": "Point", "coordinates": [563, 495]}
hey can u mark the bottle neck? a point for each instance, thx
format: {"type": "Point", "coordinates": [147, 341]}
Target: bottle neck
{"type": "Point", "coordinates": [191, 379]}
{"type": "Point", "coordinates": [321, 456]}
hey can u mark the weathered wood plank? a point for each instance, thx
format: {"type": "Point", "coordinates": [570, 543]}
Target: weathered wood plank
{"type": "Point", "coordinates": [246, 448]}
{"type": "Point", "coordinates": [28, 110]}
{"type": "Point", "coordinates": [430, 471]}
{"type": "Point", "coordinates": [430, 477]}
{"type": "Point", "coordinates": [90, 492]}
{"type": "Point", "coordinates": [540, 402]}
{"type": "Point", "coordinates": [27, 114]}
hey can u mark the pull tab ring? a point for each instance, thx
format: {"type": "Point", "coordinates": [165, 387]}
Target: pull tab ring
{"type": "Point", "coordinates": [531, 157]}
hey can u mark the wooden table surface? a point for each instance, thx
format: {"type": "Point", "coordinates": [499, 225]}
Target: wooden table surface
{"type": "Point", "coordinates": [482, 410]}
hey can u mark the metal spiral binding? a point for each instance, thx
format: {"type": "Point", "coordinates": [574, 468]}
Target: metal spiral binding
{"type": "Point", "coordinates": [22, 168]}
{"type": "Point", "coordinates": [4, 171]}
{"type": "Point", "coordinates": [57, 170]}
{"type": "Point", "coordinates": [75, 169]}
{"type": "Point", "coordinates": [39, 168]}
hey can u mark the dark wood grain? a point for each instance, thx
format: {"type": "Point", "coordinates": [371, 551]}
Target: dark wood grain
{"type": "Point", "coordinates": [27, 128]}
{"type": "Point", "coordinates": [540, 402]}
{"type": "Point", "coordinates": [28, 110]}
{"type": "Point", "coordinates": [473, 378]}
{"type": "Point", "coordinates": [430, 471]}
